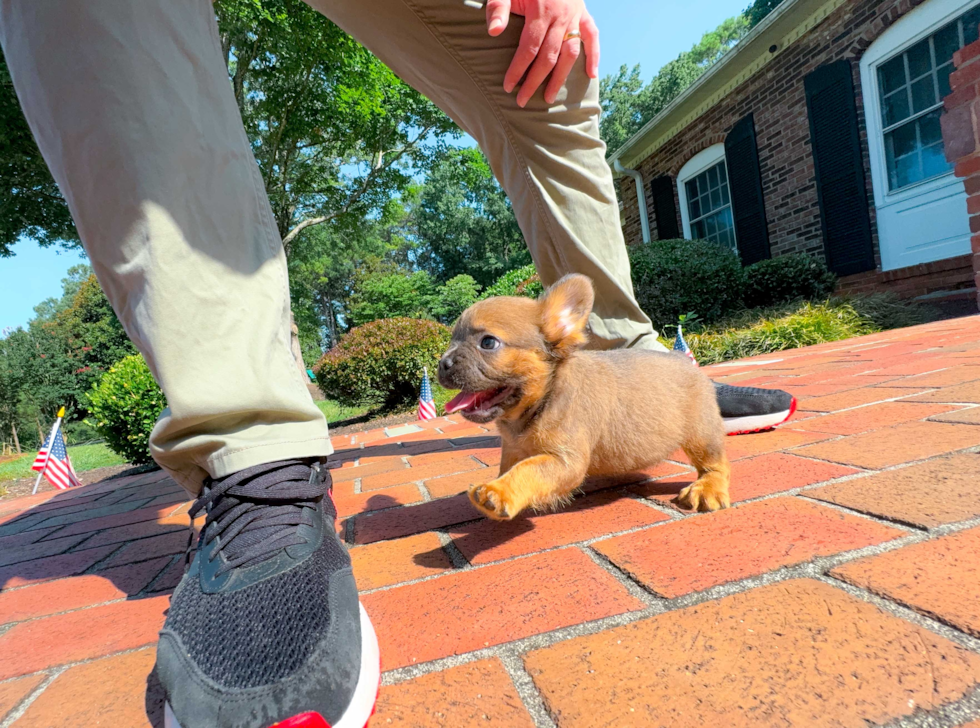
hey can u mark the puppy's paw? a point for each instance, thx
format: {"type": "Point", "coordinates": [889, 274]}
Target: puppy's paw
{"type": "Point", "coordinates": [494, 501]}
{"type": "Point", "coordinates": [703, 496]}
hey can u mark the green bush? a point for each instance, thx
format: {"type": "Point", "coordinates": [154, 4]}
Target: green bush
{"type": "Point", "coordinates": [519, 282]}
{"type": "Point", "coordinates": [125, 406]}
{"type": "Point", "coordinates": [787, 278]}
{"type": "Point", "coordinates": [381, 362]}
{"type": "Point", "coordinates": [675, 277]}
{"type": "Point", "coordinates": [455, 296]}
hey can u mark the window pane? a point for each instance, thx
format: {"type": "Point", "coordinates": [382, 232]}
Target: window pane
{"type": "Point", "coordinates": [892, 75]}
{"type": "Point", "coordinates": [934, 161]}
{"type": "Point", "coordinates": [920, 59]}
{"type": "Point", "coordinates": [697, 230]}
{"type": "Point", "coordinates": [943, 78]}
{"type": "Point", "coordinates": [970, 22]}
{"type": "Point", "coordinates": [896, 107]}
{"type": "Point", "coordinates": [715, 198]}
{"type": "Point", "coordinates": [724, 195]}
{"type": "Point", "coordinates": [947, 42]}
{"type": "Point", "coordinates": [903, 140]}
{"type": "Point", "coordinates": [713, 177]}
{"type": "Point", "coordinates": [930, 131]}
{"type": "Point", "coordinates": [923, 94]}
{"type": "Point", "coordinates": [906, 171]}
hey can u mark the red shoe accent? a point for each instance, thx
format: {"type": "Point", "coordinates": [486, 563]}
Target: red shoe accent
{"type": "Point", "coordinates": [303, 720]}
{"type": "Point", "coordinates": [792, 411]}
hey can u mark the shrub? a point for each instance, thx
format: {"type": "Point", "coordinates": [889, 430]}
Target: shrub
{"type": "Point", "coordinates": [125, 405]}
{"type": "Point", "coordinates": [787, 278]}
{"type": "Point", "coordinates": [675, 277]}
{"type": "Point", "coordinates": [519, 282]}
{"type": "Point", "coordinates": [381, 362]}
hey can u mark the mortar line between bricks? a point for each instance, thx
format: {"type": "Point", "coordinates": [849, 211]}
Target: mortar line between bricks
{"type": "Point", "coordinates": [634, 587]}
{"type": "Point", "coordinates": [25, 702]}
{"type": "Point", "coordinates": [950, 715]}
{"type": "Point", "coordinates": [456, 557]}
{"type": "Point", "coordinates": [971, 449]}
{"type": "Point", "coordinates": [526, 689]}
{"type": "Point", "coordinates": [426, 496]}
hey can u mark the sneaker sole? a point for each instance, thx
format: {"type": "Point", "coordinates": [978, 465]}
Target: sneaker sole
{"type": "Point", "coordinates": [365, 695]}
{"type": "Point", "coordinates": [758, 423]}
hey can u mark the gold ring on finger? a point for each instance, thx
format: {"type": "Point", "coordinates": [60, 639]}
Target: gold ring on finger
{"type": "Point", "coordinates": [572, 34]}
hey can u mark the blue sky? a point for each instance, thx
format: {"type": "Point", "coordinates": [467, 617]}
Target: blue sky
{"type": "Point", "coordinates": [631, 31]}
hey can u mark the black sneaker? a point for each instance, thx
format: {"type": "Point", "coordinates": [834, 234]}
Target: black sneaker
{"type": "Point", "coordinates": [750, 409]}
{"type": "Point", "coordinates": [265, 628]}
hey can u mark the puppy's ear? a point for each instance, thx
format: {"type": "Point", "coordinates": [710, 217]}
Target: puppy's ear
{"type": "Point", "coordinates": [565, 309]}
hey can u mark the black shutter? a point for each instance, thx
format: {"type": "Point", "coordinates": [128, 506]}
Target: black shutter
{"type": "Point", "coordinates": [664, 208]}
{"type": "Point", "coordinates": [839, 169]}
{"type": "Point", "coordinates": [745, 185]}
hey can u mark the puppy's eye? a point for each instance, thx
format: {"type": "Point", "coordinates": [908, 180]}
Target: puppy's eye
{"type": "Point", "coordinates": [489, 343]}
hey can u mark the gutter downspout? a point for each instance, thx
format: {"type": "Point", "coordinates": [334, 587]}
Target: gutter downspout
{"type": "Point", "coordinates": [641, 199]}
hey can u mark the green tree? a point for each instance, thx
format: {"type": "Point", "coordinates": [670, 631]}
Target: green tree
{"type": "Point", "coordinates": [387, 292]}
{"type": "Point", "coordinates": [335, 132]}
{"type": "Point", "coordinates": [30, 204]}
{"type": "Point", "coordinates": [463, 222]}
{"type": "Point", "coordinates": [628, 104]}
{"type": "Point", "coordinates": [453, 297]}
{"type": "Point", "coordinates": [759, 9]}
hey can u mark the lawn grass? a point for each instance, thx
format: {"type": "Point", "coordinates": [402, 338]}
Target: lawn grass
{"type": "Point", "coordinates": [335, 411]}
{"type": "Point", "coordinates": [83, 457]}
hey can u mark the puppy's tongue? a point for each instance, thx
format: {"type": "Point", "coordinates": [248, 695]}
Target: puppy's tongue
{"type": "Point", "coordinates": [462, 401]}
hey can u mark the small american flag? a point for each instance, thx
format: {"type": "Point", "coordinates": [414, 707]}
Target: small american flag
{"type": "Point", "coordinates": [53, 462]}
{"type": "Point", "coordinates": [427, 407]}
{"type": "Point", "coordinates": [681, 346]}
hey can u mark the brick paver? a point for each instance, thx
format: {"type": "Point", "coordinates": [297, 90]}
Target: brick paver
{"type": "Point", "coordinates": [800, 653]}
{"type": "Point", "coordinates": [77, 697]}
{"type": "Point", "coordinates": [464, 612]}
{"type": "Point", "coordinates": [945, 490]}
{"type": "Point", "coordinates": [468, 696]}
{"type": "Point", "coordinates": [939, 578]}
{"type": "Point", "coordinates": [885, 445]}
{"type": "Point", "coordinates": [694, 554]}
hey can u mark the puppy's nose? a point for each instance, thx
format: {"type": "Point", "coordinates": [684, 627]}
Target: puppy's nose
{"type": "Point", "coordinates": [445, 364]}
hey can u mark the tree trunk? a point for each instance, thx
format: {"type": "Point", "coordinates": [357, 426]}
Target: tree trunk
{"type": "Point", "coordinates": [13, 429]}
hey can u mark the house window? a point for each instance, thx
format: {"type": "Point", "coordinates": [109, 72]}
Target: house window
{"type": "Point", "coordinates": [709, 206]}
{"type": "Point", "coordinates": [912, 87]}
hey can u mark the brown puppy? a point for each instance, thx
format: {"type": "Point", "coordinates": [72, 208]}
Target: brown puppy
{"type": "Point", "coordinates": [565, 414]}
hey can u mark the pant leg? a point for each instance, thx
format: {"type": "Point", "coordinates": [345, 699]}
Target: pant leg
{"type": "Point", "coordinates": [132, 109]}
{"type": "Point", "coordinates": [549, 159]}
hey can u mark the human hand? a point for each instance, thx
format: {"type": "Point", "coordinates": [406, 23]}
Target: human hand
{"type": "Point", "coordinates": [543, 48]}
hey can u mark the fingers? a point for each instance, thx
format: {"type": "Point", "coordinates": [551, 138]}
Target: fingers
{"type": "Point", "coordinates": [590, 39]}
{"type": "Point", "coordinates": [498, 15]}
{"type": "Point", "coordinates": [532, 43]}
{"type": "Point", "coordinates": [570, 51]}
{"type": "Point", "coordinates": [547, 56]}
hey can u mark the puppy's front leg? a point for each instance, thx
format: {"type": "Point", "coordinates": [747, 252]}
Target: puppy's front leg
{"type": "Point", "coordinates": [535, 481]}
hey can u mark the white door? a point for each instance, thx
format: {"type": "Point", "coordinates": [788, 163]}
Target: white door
{"type": "Point", "coordinates": [921, 206]}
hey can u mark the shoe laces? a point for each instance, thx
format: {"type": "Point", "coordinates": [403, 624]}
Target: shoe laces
{"type": "Point", "coordinates": [257, 512]}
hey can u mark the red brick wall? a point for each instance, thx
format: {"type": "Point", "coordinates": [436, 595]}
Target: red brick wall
{"type": "Point", "coordinates": [776, 97]}
{"type": "Point", "coordinates": [961, 137]}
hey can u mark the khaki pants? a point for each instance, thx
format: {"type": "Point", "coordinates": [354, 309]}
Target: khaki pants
{"type": "Point", "coordinates": [132, 109]}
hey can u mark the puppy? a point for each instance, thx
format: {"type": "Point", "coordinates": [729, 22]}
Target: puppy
{"type": "Point", "coordinates": [565, 414]}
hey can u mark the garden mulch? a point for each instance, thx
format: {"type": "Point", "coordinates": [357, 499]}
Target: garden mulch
{"type": "Point", "coordinates": [841, 588]}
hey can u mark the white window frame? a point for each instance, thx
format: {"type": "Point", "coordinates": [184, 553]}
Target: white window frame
{"type": "Point", "coordinates": [914, 26]}
{"type": "Point", "coordinates": [700, 162]}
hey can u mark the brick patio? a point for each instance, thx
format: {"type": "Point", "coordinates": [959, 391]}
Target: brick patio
{"type": "Point", "coordinates": [842, 589]}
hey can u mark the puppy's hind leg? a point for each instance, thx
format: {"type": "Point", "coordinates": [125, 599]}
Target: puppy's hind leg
{"type": "Point", "coordinates": [710, 491]}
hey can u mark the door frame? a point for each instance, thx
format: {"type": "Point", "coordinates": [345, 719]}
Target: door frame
{"type": "Point", "coordinates": [908, 30]}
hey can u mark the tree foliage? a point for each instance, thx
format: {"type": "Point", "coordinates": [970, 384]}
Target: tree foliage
{"type": "Point", "coordinates": [67, 347]}
{"type": "Point", "coordinates": [759, 9]}
{"type": "Point", "coordinates": [30, 204]}
{"type": "Point", "coordinates": [463, 221]}
{"type": "Point", "coordinates": [628, 104]}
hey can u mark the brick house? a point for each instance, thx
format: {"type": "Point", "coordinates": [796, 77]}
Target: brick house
{"type": "Point", "coordinates": [819, 132]}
